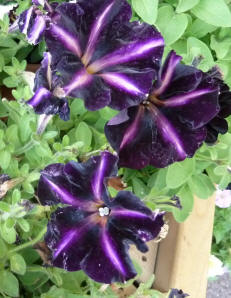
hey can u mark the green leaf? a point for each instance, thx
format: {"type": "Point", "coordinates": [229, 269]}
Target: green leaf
{"type": "Point", "coordinates": [146, 9]}
{"type": "Point", "coordinates": [84, 134]}
{"type": "Point", "coordinates": [171, 25]}
{"type": "Point", "coordinates": [179, 172]}
{"type": "Point", "coordinates": [9, 284]}
{"type": "Point", "coordinates": [9, 235]}
{"type": "Point", "coordinates": [24, 225]}
{"type": "Point", "coordinates": [222, 48]}
{"type": "Point", "coordinates": [34, 277]}
{"type": "Point", "coordinates": [17, 264]}
{"type": "Point", "coordinates": [187, 201]}
{"type": "Point", "coordinates": [3, 249]}
{"type": "Point", "coordinates": [215, 12]}
{"type": "Point", "coordinates": [4, 159]}
{"type": "Point", "coordinates": [184, 5]}
{"type": "Point", "coordinates": [107, 113]}
{"type": "Point", "coordinates": [16, 196]}
{"type": "Point", "coordinates": [198, 48]}
{"type": "Point", "coordinates": [5, 207]}
{"type": "Point", "coordinates": [2, 62]}
{"type": "Point", "coordinates": [199, 29]}
{"type": "Point", "coordinates": [202, 186]}
{"type": "Point", "coordinates": [139, 187]}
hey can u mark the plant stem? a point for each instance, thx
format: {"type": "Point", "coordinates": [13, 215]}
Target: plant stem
{"type": "Point", "coordinates": [30, 243]}
{"type": "Point", "coordinates": [27, 147]}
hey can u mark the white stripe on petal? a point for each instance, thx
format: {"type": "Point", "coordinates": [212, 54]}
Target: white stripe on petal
{"type": "Point", "coordinates": [94, 35]}
{"type": "Point", "coordinates": [70, 42]}
{"type": "Point", "coordinates": [121, 82]}
{"type": "Point", "coordinates": [130, 52]}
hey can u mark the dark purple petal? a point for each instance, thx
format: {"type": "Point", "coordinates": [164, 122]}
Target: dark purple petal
{"type": "Point", "coordinates": [167, 72]}
{"type": "Point", "coordinates": [214, 127]}
{"type": "Point", "coordinates": [181, 78]}
{"type": "Point", "coordinates": [218, 124]}
{"type": "Point", "coordinates": [43, 102]}
{"type": "Point", "coordinates": [108, 260]}
{"type": "Point", "coordinates": [68, 233]}
{"type": "Point", "coordinates": [131, 220]}
{"type": "Point", "coordinates": [95, 93]}
{"type": "Point", "coordinates": [144, 136]}
{"type": "Point", "coordinates": [77, 183]}
{"type": "Point", "coordinates": [129, 53]}
{"type": "Point", "coordinates": [54, 187]}
{"type": "Point", "coordinates": [33, 24]}
{"type": "Point", "coordinates": [66, 39]}
{"type": "Point", "coordinates": [65, 35]}
{"type": "Point", "coordinates": [43, 77]}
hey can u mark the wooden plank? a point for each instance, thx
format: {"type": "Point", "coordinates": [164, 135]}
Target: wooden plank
{"type": "Point", "coordinates": [146, 261]}
{"type": "Point", "coordinates": [183, 257]}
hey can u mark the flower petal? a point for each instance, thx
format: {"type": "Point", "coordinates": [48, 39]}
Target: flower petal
{"type": "Point", "coordinates": [54, 187]}
{"type": "Point", "coordinates": [131, 220]}
{"type": "Point", "coordinates": [32, 24]}
{"type": "Point", "coordinates": [131, 52]}
{"type": "Point", "coordinates": [178, 78]}
{"type": "Point", "coordinates": [68, 233]}
{"type": "Point", "coordinates": [218, 124]}
{"type": "Point", "coordinates": [43, 102]}
{"type": "Point", "coordinates": [68, 41]}
{"type": "Point", "coordinates": [108, 262]}
{"type": "Point", "coordinates": [167, 72]}
{"type": "Point", "coordinates": [63, 34]}
{"type": "Point", "coordinates": [95, 93]}
{"type": "Point", "coordinates": [77, 183]}
{"type": "Point", "coordinates": [151, 137]}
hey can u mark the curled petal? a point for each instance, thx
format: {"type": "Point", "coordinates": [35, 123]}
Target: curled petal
{"type": "Point", "coordinates": [43, 102]}
{"type": "Point", "coordinates": [218, 124]}
{"type": "Point", "coordinates": [77, 183]}
{"type": "Point", "coordinates": [176, 78]}
{"type": "Point", "coordinates": [131, 220]}
{"type": "Point", "coordinates": [33, 24]}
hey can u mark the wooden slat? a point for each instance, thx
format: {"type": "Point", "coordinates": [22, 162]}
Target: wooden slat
{"type": "Point", "coordinates": [183, 257]}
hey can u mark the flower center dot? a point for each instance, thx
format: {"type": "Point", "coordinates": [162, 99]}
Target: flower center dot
{"type": "Point", "coordinates": [104, 211]}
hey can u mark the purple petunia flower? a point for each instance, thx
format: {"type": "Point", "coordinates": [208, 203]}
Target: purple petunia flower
{"type": "Point", "coordinates": [170, 124]}
{"type": "Point", "coordinates": [218, 124]}
{"type": "Point", "coordinates": [101, 57]}
{"type": "Point", "coordinates": [53, 100]}
{"type": "Point", "coordinates": [93, 233]}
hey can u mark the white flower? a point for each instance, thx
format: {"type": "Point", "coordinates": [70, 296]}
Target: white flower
{"type": "Point", "coordinates": [223, 198]}
{"type": "Point", "coordinates": [216, 267]}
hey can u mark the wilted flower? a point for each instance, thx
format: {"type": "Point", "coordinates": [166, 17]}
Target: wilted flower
{"type": "Point", "coordinates": [170, 124]}
{"type": "Point", "coordinates": [101, 57]}
{"type": "Point", "coordinates": [93, 233]}
{"type": "Point", "coordinates": [175, 293]}
{"type": "Point", "coordinates": [48, 99]}
{"type": "Point", "coordinates": [32, 22]}
{"type": "Point", "coordinates": [218, 124]}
